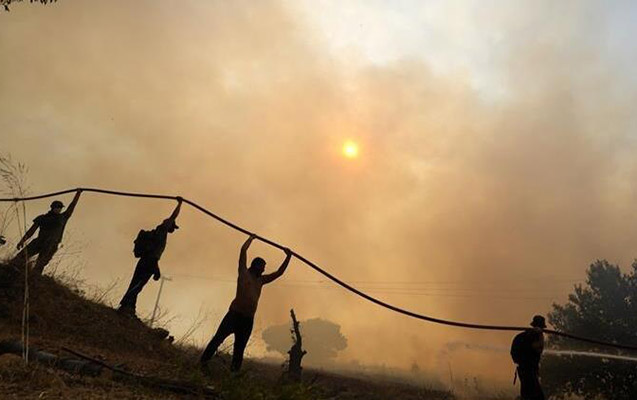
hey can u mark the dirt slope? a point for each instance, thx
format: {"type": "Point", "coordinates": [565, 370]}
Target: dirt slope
{"type": "Point", "coordinates": [62, 317]}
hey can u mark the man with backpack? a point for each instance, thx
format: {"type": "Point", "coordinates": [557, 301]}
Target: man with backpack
{"type": "Point", "coordinates": [240, 317]}
{"type": "Point", "coordinates": [51, 229]}
{"type": "Point", "coordinates": [149, 246]}
{"type": "Point", "coordinates": [526, 351]}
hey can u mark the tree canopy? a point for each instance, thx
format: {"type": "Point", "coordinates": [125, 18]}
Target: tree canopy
{"type": "Point", "coordinates": [5, 3]}
{"type": "Point", "coordinates": [605, 307]}
{"type": "Point", "coordinates": [321, 338]}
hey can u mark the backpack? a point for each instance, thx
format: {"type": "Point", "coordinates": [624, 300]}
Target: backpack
{"type": "Point", "coordinates": [143, 243]}
{"type": "Point", "coordinates": [520, 348]}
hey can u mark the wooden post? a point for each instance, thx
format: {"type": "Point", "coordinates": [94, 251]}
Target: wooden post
{"type": "Point", "coordinates": [161, 286]}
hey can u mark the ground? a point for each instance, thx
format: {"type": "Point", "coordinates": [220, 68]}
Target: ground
{"type": "Point", "coordinates": [62, 317]}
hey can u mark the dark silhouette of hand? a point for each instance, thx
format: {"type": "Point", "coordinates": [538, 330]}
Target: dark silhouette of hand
{"type": "Point", "coordinates": [156, 276]}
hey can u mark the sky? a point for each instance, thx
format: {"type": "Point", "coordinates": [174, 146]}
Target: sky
{"type": "Point", "coordinates": [496, 143]}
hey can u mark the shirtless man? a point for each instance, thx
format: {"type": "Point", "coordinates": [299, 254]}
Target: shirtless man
{"type": "Point", "coordinates": [240, 316]}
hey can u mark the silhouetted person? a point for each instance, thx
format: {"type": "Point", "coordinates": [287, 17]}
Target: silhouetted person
{"type": "Point", "coordinates": [51, 229]}
{"type": "Point", "coordinates": [526, 351]}
{"type": "Point", "coordinates": [149, 254]}
{"type": "Point", "coordinates": [240, 316]}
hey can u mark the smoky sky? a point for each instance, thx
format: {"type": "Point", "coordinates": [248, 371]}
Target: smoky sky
{"type": "Point", "coordinates": [461, 205]}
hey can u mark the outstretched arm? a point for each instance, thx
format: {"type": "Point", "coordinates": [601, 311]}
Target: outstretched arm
{"type": "Point", "coordinates": [277, 274]}
{"type": "Point", "coordinates": [243, 256]}
{"type": "Point", "coordinates": [71, 207]}
{"type": "Point", "coordinates": [175, 213]}
{"type": "Point", "coordinates": [27, 235]}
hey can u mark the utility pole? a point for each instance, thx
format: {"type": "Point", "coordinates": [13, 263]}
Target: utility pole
{"type": "Point", "coordinates": [161, 286]}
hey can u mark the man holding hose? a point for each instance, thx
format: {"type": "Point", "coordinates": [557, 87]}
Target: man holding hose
{"type": "Point", "coordinates": [51, 229]}
{"type": "Point", "coordinates": [240, 316]}
{"type": "Point", "coordinates": [526, 351]}
{"type": "Point", "coordinates": [149, 247]}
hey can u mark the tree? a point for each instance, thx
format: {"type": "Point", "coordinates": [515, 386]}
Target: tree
{"type": "Point", "coordinates": [6, 3]}
{"type": "Point", "coordinates": [322, 339]}
{"type": "Point", "coordinates": [604, 308]}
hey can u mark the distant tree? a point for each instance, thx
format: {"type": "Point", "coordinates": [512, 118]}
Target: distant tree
{"type": "Point", "coordinates": [5, 3]}
{"type": "Point", "coordinates": [321, 338]}
{"type": "Point", "coordinates": [604, 308]}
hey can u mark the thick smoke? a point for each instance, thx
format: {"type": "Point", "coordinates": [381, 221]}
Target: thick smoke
{"type": "Point", "coordinates": [473, 208]}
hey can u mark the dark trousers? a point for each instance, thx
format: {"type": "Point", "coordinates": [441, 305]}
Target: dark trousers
{"type": "Point", "coordinates": [44, 251]}
{"type": "Point", "coordinates": [241, 326]}
{"type": "Point", "coordinates": [145, 268]}
{"type": "Point", "coordinates": [530, 388]}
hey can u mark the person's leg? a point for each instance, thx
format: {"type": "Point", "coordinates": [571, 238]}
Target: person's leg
{"type": "Point", "coordinates": [241, 337]}
{"type": "Point", "coordinates": [21, 258]}
{"type": "Point", "coordinates": [225, 329]}
{"type": "Point", "coordinates": [525, 389]}
{"type": "Point", "coordinates": [539, 393]}
{"type": "Point", "coordinates": [28, 251]}
{"type": "Point", "coordinates": [139, 280]}
{"type": "Point", "coordinates": [530, 388]}
{"type": "Point", "coordinates": [44, 258]}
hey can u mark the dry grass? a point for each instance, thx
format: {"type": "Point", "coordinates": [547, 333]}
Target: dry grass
{"type": "Point", "coordinates": [63, 316]}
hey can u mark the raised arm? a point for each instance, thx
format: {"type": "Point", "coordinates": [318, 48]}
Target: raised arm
{"type": "Point", "coordinates": [71, 207]}
{"type": "Point", "coordinates": [277, 274]}
{"type": "Point", "coordinates": [27, 235]}
{"type": "Point", "coordinates": [175, 213]}
{"type": "Point", "coordinates": [243, 256]}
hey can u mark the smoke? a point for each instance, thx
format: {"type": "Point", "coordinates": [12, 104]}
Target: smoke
{"type": "Point", "coordinates": [321, 339]}
{"type": "Point", "coordinates": [447, 352]}
{"type": "Point", "coordinates": [467, 206]}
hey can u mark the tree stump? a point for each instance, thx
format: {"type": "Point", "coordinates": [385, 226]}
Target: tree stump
{"type": "Point", "coordinates": [296, 353]}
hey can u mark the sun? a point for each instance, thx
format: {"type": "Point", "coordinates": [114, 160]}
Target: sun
{"type": "Point", "coordinates": [350, 149]}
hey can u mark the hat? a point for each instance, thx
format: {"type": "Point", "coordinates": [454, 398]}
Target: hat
{"type": "Point", "coordinates": [169, 223]}
{"type": "Point", "coordinates": [57, 204]}
{"type": "Point", "coordinates": [538, 322]}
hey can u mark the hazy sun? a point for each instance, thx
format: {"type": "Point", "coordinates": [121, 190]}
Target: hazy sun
{"type": "Point", "coordinates": [350, 149]}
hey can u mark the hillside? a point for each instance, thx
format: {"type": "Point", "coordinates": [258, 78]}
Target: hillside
{"type": "Point", "coordinates": [61, 317]}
